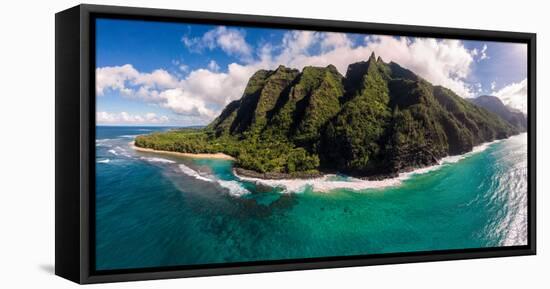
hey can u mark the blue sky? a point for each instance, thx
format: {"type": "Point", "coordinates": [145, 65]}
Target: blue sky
{"type": "Point", "coordinates": [156, 73]}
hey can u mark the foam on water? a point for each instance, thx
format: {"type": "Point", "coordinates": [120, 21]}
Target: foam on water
{"type": "Point", "coordinates": [102, 142]}
{"type": "Point", "coordinates": [447, 160]}
{"type": "Point", "coordinates": [325, 183]}
{"type": "Point", "coordinates": [330, 182]}
{"type": "Point", "coordinates": [104, 161]}
{"type": "Point", "coordinates": [514, 225]}
{"type": "Point", "coordinates": [191, 172]}
{"type": "Point", "coordinates": [157, 160]}
{"type": "Point", "coordinates": [129, 135]}
{"type": "Point", "coordinates": [484, 203]}
{"type": "Point", "coordinates": [234, 187]}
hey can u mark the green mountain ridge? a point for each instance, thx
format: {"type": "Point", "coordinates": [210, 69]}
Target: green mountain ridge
{"type": "Point", "coordinates": [496, 106]}
{"type": "Point", "coordinates": [376, 121]}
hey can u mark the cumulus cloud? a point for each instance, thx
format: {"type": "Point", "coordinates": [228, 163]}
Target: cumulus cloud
{"type": "Point", "coordinates": [159, 79]}
{"type": "Point", "coordinates": [114, 77]}
{"type": "Point", "coordinates": [117, 78]}
{"type": "Point", "coordinates": [514, 95]}
{"type": "Point", "coordinates": [203, 92]}
{"type": "Point", "coordinates": [104, 117]}
{"type": "Point", "coordinates": [183, 67]}
{"type": "Point", "coordinates": [442, 62]}
{"type": "Point", "coordinates": [480, 54]}
{"type": "Point", "coordinates": [331, 40]}
{"type": "Point", "coordinates": [230, 40]}
{"type": "Point", "coordinates": [478, 87]}
{"type": "Point", "coordinates": [483, 54]}
{"type": "Point", "coordinates": [213, 65]}
{"type": "Point", "coordinates": [159, 87]}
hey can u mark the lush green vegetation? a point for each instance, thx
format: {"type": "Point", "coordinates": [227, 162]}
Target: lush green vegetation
{"type": "Point", "coordinates": [351, 139]}
{"type": "Point", "coordinates": [251, 153]}
{"type": "Point", "coordinates": [377, 120]}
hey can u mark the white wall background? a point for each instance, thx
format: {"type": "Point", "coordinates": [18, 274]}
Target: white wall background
{"type": "Point", "coordinates": [27, 144]}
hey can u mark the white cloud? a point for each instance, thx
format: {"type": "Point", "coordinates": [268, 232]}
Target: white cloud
{"type": "Point", "coordinates": [334, 40]}
{"type": "Point", "coordinates": [480, 54]}
{"type": "Point", "coordinates": [183, 67]}
{"type": "Point", "coordinates": [204, 92]}
{"type": "Point", "coordinates": [118, 77]}
{"type": "Point", "coordinates": [104, 117]}
{"type": "Point", "coordinates": [442, 62]}
{"type": "Point", "coordinates": [213, 65]}
{"type": "Point", "coordinates": [114, 77]}
{"type": "Point", "coordinates": [217, 88]}
{"type": "Point", "coordinates": [182, 102]}
{"type": "Point", "coordinates": [298, 42]}
{"type": "Point", "coordinates": [180, 65]}
{"type": "Point", "coordinates": [484, 53]}
{"type": "Point", "coordinates": [514, 95]}
{"type": "Point", "coordinates": [158, 87]}
{"type": "Point", "coordinates": [157, 79]}
{"type": "Point", "coordinates": [479, 88]}
{"type": "Point", "coordinates": [230, 40]}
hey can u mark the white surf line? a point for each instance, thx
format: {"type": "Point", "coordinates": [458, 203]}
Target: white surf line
{"type": "Point", "coordinates": [157, 160]}
{"type": "Point", "coordinates": [325, 184]}
{"type": "Point", "coordinates": [235, 188]}
{"type": "Point", "coordinates": [322, 184]}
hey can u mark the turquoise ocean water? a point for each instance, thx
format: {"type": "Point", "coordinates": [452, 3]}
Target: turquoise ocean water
{"type": "Point", "coordinates": [157, 210]}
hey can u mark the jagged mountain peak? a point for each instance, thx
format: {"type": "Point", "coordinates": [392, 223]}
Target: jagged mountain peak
{"type": "Point", "coordinates": [283, 69]}
{"type": "Point", "coordinates": [378, 119]}
{"type": "Point", "coordinates": [372, 56]}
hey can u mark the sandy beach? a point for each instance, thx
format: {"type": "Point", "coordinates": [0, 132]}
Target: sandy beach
{"type": "Point", "coordinates": [189, 155]}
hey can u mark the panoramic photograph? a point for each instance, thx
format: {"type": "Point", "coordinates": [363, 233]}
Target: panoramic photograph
{"type": "Point", "coordinates": [230, 144]}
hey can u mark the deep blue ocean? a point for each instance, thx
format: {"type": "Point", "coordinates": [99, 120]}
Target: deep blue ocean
{"type": "Point", "coordinates": [159, 210]}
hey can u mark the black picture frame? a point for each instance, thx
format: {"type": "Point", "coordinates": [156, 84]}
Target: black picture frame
{"type": "Point", "coordinates": [75, 146]}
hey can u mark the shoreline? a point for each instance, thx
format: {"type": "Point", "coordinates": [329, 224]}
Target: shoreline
{"type": "Point", "coordinates": [326, 182]}
{"type": "Point", "coordinates": [253, 175]}
{"type": "Point", "coordinates": [323, 181]}
{"type": "Point", "coordinates": [276, 176]}
{"type": "Point", "coordinates": [218, 156]}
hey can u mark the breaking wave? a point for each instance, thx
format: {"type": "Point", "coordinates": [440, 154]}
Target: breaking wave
{"type": "Point", "coordinates": [234, 187]}
{"type": "Point", "coordinates": [447, 160]}
{"type": "Point", "coordinates": [102, 142]}
{"type": "Point", "coordinates": [157, 160]}
{"type": "Point", "coordinates": [191, 172]}
{"type": "Point", "coordinates": [129, 135]}
{"type": "Point", "coordinates": [325, 183]}
{"type": "Point", "coordinates": [331, 182]}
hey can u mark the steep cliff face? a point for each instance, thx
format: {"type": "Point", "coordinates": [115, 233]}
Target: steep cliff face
{"type": "Point", "coordinates": [393, 120]}
{"type": "Point", "coordinates": [378, 120]}
{"type": "Point", "coordinates": [262, 93]}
